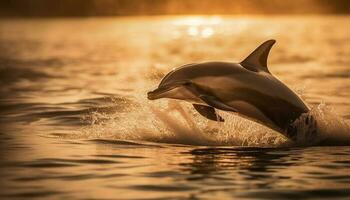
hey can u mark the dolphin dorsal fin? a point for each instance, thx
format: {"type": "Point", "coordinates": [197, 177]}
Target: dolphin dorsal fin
{"type": "Point", "coordinates": [257, 60]}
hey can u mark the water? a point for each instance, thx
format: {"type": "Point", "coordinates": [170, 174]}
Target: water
{"type": "Point", "coordinates": [75, 121]}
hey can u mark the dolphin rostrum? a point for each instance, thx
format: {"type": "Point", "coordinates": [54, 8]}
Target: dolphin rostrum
{"type": "Point", "coordinates": [246, 88]}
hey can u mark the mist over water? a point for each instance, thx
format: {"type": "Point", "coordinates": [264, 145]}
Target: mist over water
{"type": "Point", "coordinates": [75, 121]}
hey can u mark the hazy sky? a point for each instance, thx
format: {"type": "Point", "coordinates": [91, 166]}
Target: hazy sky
{"type": "Point", "coordinates": [159, 7]}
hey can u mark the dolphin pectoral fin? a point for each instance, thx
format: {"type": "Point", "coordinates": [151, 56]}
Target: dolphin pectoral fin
{"type": "Point", "coordinates": [207, 98]}
{"type": "Point", "coordinates": [216, 103]}
{"type": "Point", "coordinates": [208, 112]}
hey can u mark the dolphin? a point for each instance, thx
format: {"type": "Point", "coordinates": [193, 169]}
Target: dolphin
{"type": "Point", "coordinates": [247, 88]}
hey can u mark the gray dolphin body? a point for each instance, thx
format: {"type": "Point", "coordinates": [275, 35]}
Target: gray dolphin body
{"type": "Point", "coordinates": [246, 88]}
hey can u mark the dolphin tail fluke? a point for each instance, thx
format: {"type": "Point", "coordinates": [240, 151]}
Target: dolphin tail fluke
{"type": "Point", "coordinates": [208, 112]}
{"type": "Point", "coordinates": [257, 60]}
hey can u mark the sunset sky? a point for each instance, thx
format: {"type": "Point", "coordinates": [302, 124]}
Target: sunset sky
{"type": "Point", "coordinates": [159, 7]}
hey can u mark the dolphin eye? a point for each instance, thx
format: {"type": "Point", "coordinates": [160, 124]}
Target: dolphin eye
{"type": "Point", "coordinates": [187, 83]}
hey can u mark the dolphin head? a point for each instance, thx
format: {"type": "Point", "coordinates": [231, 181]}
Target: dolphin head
{"type": "Point", "coordinates": [174, 84]}
{"type": "Point", "coordinates": [171, 85]}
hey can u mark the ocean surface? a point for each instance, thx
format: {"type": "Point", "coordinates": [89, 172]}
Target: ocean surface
{"type": "Point", "coordinates": [75, 122]}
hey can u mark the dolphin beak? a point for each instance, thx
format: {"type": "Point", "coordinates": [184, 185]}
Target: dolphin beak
{"type": "Point", "coordinates": [157, 93]}
{"type": "Point", "coordinates": [151, 95]}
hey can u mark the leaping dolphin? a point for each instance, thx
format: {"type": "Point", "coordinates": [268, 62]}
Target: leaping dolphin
{"type": "Point", "coordinates": [246, 88]}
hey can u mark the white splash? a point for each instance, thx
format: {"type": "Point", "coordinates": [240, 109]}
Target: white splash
{"type": "Point", "coordinates": [170, 121]}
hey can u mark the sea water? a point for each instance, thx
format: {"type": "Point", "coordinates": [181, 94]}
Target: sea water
{"type": "Point", "coordinates": [76, 123]}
